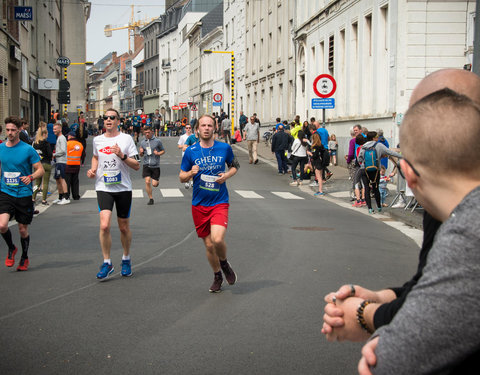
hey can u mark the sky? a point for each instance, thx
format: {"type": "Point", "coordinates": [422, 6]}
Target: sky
{"type": "Point", "coordinates": [115, 12]}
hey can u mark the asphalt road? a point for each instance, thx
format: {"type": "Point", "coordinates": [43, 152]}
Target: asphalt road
{"type": "Point", "coordinates": [288, 253]}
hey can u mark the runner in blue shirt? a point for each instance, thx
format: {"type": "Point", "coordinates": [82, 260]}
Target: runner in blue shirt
{"type": "Point", "coordinates": [17, 159]}
{"type": "Point", "coordinates": [205, 162]}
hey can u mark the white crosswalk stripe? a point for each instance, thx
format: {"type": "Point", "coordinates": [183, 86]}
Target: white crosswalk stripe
{"type": "Point", "coordinates": [177, 193]}
{"type": "Point", "coordinates": [248, 194]}
{"type": "Point", "coordinates": [286, 195]}
{"type": "Point", "coordinates": [171, 193]}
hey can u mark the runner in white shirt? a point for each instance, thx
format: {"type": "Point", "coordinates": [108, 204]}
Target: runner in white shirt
{"type": "Point", "coordinates": [181, 145]}
{"type": "Point", "coordinates": [114, 153]}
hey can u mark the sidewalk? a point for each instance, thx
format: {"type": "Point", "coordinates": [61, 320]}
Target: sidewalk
{"type": "Point", "coordinates": [337, 189]}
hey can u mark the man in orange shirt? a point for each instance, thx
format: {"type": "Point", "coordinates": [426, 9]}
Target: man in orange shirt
{"type": "Point", "coordinates": [74, 156]}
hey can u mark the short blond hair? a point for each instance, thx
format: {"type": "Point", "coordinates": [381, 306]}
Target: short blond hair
{"type": "Point", "coordinates": [440, 133]}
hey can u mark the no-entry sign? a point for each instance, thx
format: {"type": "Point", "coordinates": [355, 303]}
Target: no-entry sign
{"type": "Point", "coordinates": [324, 86]}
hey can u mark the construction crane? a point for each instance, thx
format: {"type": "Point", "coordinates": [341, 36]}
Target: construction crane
{"type": "Point", "coordinates": [133, 27]}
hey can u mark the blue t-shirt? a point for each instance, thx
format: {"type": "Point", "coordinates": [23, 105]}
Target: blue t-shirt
{"type": "Point", "coordinates": [323, 133]}
{"type": "Point", "coordinates": [207, 192]}
{"type": "Point", "coordinates": [17, 161]}
{"type": "Point", "coordinates": [191, 140]}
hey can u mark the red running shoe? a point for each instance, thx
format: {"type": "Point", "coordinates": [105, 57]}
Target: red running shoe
{"type": "Point", "coordinates": [23, 265]}
{"type": "Point", "coordinates": [357, 204]}
{"type": "Point", "coordinates": [10, 261]}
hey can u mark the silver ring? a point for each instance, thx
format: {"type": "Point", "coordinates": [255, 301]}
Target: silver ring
{"type": "Point", "coordinates": [352, 290]}
{"type": "Point", "coordinates": [334, 300]}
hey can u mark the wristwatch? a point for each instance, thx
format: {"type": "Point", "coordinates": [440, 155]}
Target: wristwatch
{"type": "Point", "coordinates": [124, 157]}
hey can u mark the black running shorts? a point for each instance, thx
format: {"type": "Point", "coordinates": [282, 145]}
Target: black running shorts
{"type": "Point", "coordinates": [20, 208]}
{"type": "Point", "coordinates": [154, 173]}
{"type": "Point", "coordinates": [122, 201]}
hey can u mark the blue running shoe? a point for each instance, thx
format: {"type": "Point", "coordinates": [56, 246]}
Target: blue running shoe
{"type": "Point", "coordinates": [126, 267]}
{"type": "Point", "coordinates": [105, 271]}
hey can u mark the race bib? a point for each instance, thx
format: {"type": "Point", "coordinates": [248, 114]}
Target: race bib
{"type": "Point", "coordinates": [112, 177]}
{"type": "Point", "coordinates": [11, 178]}
{"type": "Point", "coordinates": [207, 182]}
{"type": "Point", "coordinates": [149, 150]}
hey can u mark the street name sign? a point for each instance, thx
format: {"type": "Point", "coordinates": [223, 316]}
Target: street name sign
{"type": "Point", "coordinates": [63, 62]}
{"type": "Point", "coordinates": [23, 13]}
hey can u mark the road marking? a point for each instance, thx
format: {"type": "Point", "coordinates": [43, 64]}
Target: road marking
{"type": "Point", "coordinates": [340, 194]}
{"type": "Point", "coordinates": [114, 275]}
{"type": "Point", "coordinates": [249, 194]}
{"type": "Point", "coordinates": [136, 193]}
{"type": "Point", "coordinates": [171, 193]}
{"type": "Point", "coordinates": [286, 195]}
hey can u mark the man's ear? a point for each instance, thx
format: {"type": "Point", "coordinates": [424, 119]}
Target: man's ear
{"type": "Point", "coordinates": [410, 176]}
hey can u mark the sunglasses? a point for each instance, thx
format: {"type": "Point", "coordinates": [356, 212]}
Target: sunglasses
{"type": "Point", "coordinates": [109, 117]}
{"type": "Point", "coordinates": [411, 166]}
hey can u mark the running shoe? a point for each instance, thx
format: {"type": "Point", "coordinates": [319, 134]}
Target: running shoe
{"type": "Point", "coordinates": [10, 261]}
{"type": "Point", "coordinates": [379, 209]}
{"type": "Point", "coordinates": [329, 174]}
{"type": "Point", "coordinates": [229, 273]}
{"type": "Point", "coordinates": [64, 201]}
{"type": "Point", "coordinates": [23, 265]}
{"type": "Point", "coordinates": [187, 185]}
{"type": "Point", "coordinates": [256, 161]}
{"type": "Point", "coordinates": [319, 193]}
{"type": "Point", "coordinates": [313, 183]}
{"type": "Point", "coordinates": [150, 202]}
{"type": "Point", "coordinates": [363, 203]}
{"type": "Point", "coordinates": [126, 267]}
{"type": "Point", "coordinates": [105, 271]}
{"type": "Point", "coordinates": [294, 183]}
{"type": "Point", "coordinates": [217, 283]}
{"type": "Point", "coordinates": [370, 211]}
{"type": "Point", "coordinates": [57, 201]}
{"type": "Point", "coordinates": [357, 204]}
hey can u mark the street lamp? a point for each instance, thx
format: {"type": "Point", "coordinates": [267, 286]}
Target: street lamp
{"type": "Point", "coordinates": [232, 85]}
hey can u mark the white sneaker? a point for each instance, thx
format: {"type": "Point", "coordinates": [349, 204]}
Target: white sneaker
{"type": "Point", "coordinates": [191, 183]}
{"type": "Point", "coordinates": [399, 204]}
{"type": "Point", "coordinates": [56, 201]}
{"type": "Point", "coordinates": [64, 201]}
{"type": "Point", "coordinates": [294, 183]}
{"type": "Point", "coordinates": [313, 183]}
{"type": "Point", "coordinates": [187, 185]}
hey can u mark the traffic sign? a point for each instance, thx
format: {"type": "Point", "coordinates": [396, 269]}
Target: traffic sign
{"type": "Point", "coordinates": [64, 85]}
{"type": "Point", "coordinates": [193, 108]}
{"type": "Point", "coordinates": [63, 61]}
{"type": "Point", "coordinates": [64, 97]}
{"type": "Point", "coordinates": [324, 86]}
{"type": "Point", "coordinates": [175, 107]}
{"type": "Point", "coordinates": [182, 105]}
{"type": "Point", "coordinates": [323, 103]}
{"type": "Point", "coordinates": [217, 104]}
{"type": "Point", "coordinates": [217, 98]}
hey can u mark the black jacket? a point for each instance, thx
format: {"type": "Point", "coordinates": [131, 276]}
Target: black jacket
{"type": "Point", "coordinates": [280, 141]}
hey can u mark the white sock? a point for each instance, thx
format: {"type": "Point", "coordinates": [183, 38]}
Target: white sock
{"type": "Point", "coordinates": [109, 261]}
{"type": "Point", "coordinates": [125, 257]}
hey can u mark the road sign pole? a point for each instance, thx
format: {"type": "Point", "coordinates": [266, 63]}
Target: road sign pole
{"type": "Point", "coordinates": [323, 117]}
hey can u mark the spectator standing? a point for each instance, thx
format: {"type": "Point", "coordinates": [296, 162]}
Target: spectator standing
{"type": "Point", "coordinates": [72, 168]}
{"type": "Point", "coordinates": [351, 157]}
{"type": "Point", "coordinates": [383, 141]}
{"type": "Point", "coordinates": [280, 144]}
{"type": "Point", "coordinates": [44, 150]}
{"type": "Point", "coordinates": [320, 159]}
{"type": "Point", "coordinates": [242, 121]}
{"type": "Point", "coordinates": [251, 134]}
{"type": "Point", "coordinates": [299, 154]}
{"type": "Point", "coordinates": [157, 119]}
{"type": "Point", "coordinates": [227, 129]}
{"type": "Point", "coordinates": [60, 164]}
{"type": "Point", "coordinates": [332, 147]}
{"type": "Point", "coordinates": [51, 137]}
{"type": "Point", "coordinates": [324, 136]}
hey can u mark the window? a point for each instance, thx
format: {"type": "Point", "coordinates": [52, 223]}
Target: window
{"type": "Point", "coordinates": [279, 42]}
{"type": "Point", "coordinates": [331, 54]}
{"type": "Point", "coordinates": [368, 34]}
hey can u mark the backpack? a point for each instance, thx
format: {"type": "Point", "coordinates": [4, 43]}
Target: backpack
{"type": "Point", "coordinates": [370, 159]}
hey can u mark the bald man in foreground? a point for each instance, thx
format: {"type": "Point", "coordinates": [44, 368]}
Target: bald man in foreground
{"type": "Point", "coordinates": [341, 321]}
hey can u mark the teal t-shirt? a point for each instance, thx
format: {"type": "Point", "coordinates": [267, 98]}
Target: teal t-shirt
{"type": "Point", "coordinates": [17, 161]}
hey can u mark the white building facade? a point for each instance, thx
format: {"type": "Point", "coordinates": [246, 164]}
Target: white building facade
{"type": "Point", "coordinates": [377, 51]}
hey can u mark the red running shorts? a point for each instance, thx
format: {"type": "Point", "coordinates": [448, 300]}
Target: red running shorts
{"type": "Point", "coordinates": [206, 216]}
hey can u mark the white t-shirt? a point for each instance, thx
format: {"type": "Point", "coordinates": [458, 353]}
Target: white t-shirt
{"type": "Point", "coordinates": [113, 174]}
{"type": "Point", "coordinates": [182, 140]}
